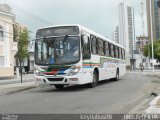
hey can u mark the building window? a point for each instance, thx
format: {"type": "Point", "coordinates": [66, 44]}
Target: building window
{"type": "Point", "coordinates": [1, 60]}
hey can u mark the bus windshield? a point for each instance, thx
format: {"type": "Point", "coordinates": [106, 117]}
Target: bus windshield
{"type": "Point", "coordinates": [57, 50]}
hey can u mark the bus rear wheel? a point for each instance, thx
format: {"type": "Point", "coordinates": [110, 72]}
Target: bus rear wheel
{"type": "Point", "coordinates": [94, 80]}
{"type": "Point", "coordinates": [59, 86]}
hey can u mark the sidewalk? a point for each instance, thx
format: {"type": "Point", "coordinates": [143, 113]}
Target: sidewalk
{"type": "Point", "coordinates": [156, 70]}
{"type": "Point", "coordinates": [9, 86]}
{"type": "Point", "coordinates": [150, 105]}
{"type": "Point", "coordinates": [156, 73]}
{"type": "Point", "coordinates": [154, 105]}
{"type": "Point", "coordinates": [25, 78]}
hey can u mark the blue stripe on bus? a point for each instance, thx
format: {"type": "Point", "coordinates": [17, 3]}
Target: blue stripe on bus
{"type": "Point", "coordinates": [87, 67]}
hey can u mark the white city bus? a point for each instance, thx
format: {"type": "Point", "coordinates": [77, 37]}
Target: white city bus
{"type": "Point", "coordinates": [73, 55]}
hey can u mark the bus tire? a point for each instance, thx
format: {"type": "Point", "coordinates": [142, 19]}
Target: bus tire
{"type": "Point", "coordinates": [117, 75]}
{"type": "Point", "coordinates": [59, 86]}
{"type": "Point", "coordinates": [94, 80]}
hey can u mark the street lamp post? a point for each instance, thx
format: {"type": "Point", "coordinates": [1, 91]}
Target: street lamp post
{"type": "Point", "coordinates": [151, 33]}
{"type": "Point", "coordinates": [147, 43]}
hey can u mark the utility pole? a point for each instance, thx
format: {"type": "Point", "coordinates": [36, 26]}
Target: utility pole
{"type": "Point", "coordinates": [142, 38]}
{"type": "Point", "coordinates": [133, 42]}
{"type": "Point", "coordinates": [142, 17]}
{"type": "Point", "coordinates": [151, 33]}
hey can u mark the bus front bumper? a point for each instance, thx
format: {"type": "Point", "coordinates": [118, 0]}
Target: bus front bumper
{"type": "Point", "coordinates": [57, 80]}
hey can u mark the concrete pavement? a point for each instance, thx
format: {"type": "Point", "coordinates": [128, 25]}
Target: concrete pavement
{"type": "Point", "coordinates": [154, 104]}
{"type": "Point", "coordinates": [25, 78]}
{"type": "Point", "coordinates": [14, 85]}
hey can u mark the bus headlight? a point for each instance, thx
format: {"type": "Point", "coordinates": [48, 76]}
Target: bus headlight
{"type": "Point", "coordinates": [39, 73]}
{"type": "Point", "coordinates": [74, 71]}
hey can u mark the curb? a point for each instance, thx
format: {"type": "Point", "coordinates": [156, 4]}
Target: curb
{"type": "Point", "coordinates": [13, 88]}
{"type": "Point", "coordinates": [4, 82]}
{"type": "Point", "coordinates": [141, 107]}
{"type": "Point", "coordinates": [154, 106]}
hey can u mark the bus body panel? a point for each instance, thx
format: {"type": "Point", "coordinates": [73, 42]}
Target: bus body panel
{"type": "Point", "coordinates": [107, 66]}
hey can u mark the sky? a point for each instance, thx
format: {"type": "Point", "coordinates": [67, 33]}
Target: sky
{"type": "Point", "coordinates": [98, 15]}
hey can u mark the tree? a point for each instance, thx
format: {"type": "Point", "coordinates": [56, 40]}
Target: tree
{"type": "Point", "coordinates": [22, 47]}
{"type": "Point", "coordinates": [156, 46]}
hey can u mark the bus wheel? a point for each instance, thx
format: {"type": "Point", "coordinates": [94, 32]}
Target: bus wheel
{"type": "Point", "coordinates": [59, 86]}
{"type": "Point", "coordinates": [117, 76]}
{"type": "Point", "coordinates": [94, 80]}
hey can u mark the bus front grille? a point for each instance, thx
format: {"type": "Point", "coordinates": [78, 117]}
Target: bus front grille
{"type": "Point", "coordinates": [55, 79]}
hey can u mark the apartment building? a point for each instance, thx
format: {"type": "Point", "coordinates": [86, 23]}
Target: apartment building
{"type": "Point", "coordinates": [153, 13]}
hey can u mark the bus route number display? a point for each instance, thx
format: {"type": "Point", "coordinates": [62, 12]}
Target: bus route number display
{"type": "Point", "coordinates": [58, 31]}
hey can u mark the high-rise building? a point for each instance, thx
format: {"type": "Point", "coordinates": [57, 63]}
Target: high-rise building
{"type": "Point", "coordinates": [126, 37]}
{"type": "Point", "coordinates": [153, 12]}
{"type": "Point", "coordinates": [116, 35]}
{"type": "Point", "coordinates": [8, 47]}
{"type": "Point", "coordinates": [130, 29]}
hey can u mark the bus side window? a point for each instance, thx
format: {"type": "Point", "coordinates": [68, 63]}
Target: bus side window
{"type": "Point", "coordinates": [117, 52]}
{"type": "Point", "coordinates": [112, 51]}
{"type": "Point", "coordinates": [120, 55]}
{"type": "Point", "coordinates": [124, 53]}
{"type": "Point", "coordinates": [97, 46]}
{"type": "Point", "coordinates": [100, 47]}
{"type": "Point", "coordinates": [86, 47]}
{"type": "Point", "coordinates": [104, 48]}
{"type": "Point", "coordinates": [109, 48]}
{"type": "Point", "coordinates": [94, 44]}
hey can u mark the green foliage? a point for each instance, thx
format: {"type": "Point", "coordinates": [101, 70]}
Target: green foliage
{"type": "Point", "coordinates": [22, 45]}
{"type": "Point", "coordinates": [156, 47]}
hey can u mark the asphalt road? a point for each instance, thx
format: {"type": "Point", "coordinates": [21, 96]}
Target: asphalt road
{"type": "Point", "coordinates": [108, 97]}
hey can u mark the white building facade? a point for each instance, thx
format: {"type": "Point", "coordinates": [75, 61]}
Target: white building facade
{"type": "Point", "coordinates": [8, 47]}
{"type": "Point", "coordinates": [116, 35]}
{"type": "Point", "coordinates": [126, 31]}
